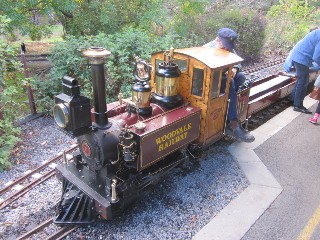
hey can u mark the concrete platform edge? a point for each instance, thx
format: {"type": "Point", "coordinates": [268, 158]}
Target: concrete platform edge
{"type": "Point", "coordinates": [241, 213]}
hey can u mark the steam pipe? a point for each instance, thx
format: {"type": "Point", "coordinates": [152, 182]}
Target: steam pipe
{"type": "Point", "coordinates": [97, 57]}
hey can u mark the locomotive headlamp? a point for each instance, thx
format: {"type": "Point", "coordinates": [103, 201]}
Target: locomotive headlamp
{"type": "Point", "coordinates": [71, 110]}
{"type": "Point", "coordinates": [61, 114]}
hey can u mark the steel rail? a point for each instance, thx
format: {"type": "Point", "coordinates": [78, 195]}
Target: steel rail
{"type": "Point", "coordinates": [13, 197]}
{"type": "Point", "coordinates": [252, 69]}
{"type": "Point", "coordinates": [36, 229]}
{"type": "Point", "coordinates": [61, 233]}
{"type": "Point", "coordinates": [29, 174]}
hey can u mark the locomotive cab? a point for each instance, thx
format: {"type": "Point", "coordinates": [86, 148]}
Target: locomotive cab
{"type": "Point", "coordinates": [204, 82]}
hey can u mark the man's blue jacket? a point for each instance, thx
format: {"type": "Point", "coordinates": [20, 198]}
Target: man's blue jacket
{"type": "Point", "coordinates": [305, 52]}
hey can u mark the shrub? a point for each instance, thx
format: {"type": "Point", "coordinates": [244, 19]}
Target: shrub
{"type": "Point", "coordinates": [67, 59]}
{"type": "Point", "coordinates": [36, 32]}
{"type": "Point", "coordinates": [289, 21]}
{"type": "Point", "coordinates": [9, 136]}
{"type": "Point", "coordinates": [249, 25]}
{"type": "Point", "coordinates": [12, 96]}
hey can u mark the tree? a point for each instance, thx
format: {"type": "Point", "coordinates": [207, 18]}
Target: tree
{"type": "Point", "coordinates": [292, 19]}
{"type": "Point", "coordinates": [24, 15]}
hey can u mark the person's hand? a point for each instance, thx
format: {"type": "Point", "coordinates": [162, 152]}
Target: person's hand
{"type": "Point", "coordinates": [234, 72]}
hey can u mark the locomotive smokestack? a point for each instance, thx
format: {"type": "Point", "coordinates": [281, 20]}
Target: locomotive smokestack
{"type": "Point", "coordinates": [97, 58]}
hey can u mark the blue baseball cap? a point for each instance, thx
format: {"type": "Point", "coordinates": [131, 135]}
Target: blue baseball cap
{"type": "Point", "coordinates": [227, 37]}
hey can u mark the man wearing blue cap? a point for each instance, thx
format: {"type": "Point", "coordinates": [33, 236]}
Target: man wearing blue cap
{"type": "Point", "coordinates": [225, 40]}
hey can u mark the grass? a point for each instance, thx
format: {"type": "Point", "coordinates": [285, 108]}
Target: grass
{"type": "Point", "coordinates": [43, 46]}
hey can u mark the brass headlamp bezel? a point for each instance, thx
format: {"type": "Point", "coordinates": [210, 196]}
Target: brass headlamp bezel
{"type": "Point", "coordinates": [61, 109]}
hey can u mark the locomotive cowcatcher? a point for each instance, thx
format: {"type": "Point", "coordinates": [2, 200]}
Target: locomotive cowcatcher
{"type": "Point", "coordinates": [176, 107]}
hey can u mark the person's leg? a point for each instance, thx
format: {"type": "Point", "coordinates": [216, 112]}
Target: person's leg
{"type": "Point", "coordinates": [239, 79]}
{"type": "Point", "coordinates": [302, 80]}
{"type": "Point", "coordinates": [301, 87]}
{"type": "Point", "coordinates": [318, 108]}
{"type": "Point", "coordinates": [234, 128]}
{"type": "Point", "coordinates": [316, 116]}
{"type": "Point", "coordinates": [232, 111]}
{"type": "Point", "coordinates": [293, 93]}
{"type": "Point", "coordinates": [304, 89]}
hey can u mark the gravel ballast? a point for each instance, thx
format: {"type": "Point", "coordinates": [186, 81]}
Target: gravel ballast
{"type": "Point", "coordinates": [177, 208]}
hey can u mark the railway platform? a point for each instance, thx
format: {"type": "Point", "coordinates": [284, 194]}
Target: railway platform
{"type": "Point", "coordinates": [237, 220]}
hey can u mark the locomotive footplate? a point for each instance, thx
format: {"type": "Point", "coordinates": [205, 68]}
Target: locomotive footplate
{"type": "Point", "coordinates": [82, 198]}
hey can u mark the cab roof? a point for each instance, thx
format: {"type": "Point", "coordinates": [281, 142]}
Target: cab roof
{"type": "Point", "coordinates": [212, 57]}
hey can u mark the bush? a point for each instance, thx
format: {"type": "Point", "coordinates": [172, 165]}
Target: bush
{"type": "Point", "coordinates": [36, 32]}
{"type": "Point", "coordinates": [12, 96]}
{"type": "Point", "coordinates": [290, 21]}
{"type": "Point", "coordinates": [67, 59]}
{"type": "Point", "coordinates": [9, 136]}
{"type": "Point", "coordinates": [249, 25]}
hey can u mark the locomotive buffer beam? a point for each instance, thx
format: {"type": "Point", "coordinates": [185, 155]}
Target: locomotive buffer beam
{"type": "Point", "coordinates": [82, 198]}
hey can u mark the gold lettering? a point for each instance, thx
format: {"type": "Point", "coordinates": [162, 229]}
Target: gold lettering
{"type": "Point", "coordinates": [173, 137]}
{"type": "Point", "coordinates": [160, 147]}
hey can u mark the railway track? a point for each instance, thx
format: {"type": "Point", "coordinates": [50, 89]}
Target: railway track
{"type": "Point", "coordinates": [31, 178]}
{"type": "Point", "coordinates": [266, 114]}
{"type": "Point", "coordinates": [47, 230]}
{"type": "Point", "coordinates": [265, 65]}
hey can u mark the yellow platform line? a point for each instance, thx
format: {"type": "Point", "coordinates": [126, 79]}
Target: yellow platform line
{"type": "Point", "coordinates": [308, 230]}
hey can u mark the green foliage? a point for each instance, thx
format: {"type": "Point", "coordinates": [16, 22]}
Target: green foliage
{"type": "Point", "coordinates": [108, 16]}
{"type": "Point", "coordinates": [248, 24]}
{"type": "Point", "coordinates": [289, 21]}
{"type": "Point", "coordinates": [36, 32]}
{"type": "Point", "coordinates": [67, 59]}
{"type": "Point", "coordinates": [25, 16]}
{"type": "Point", "coordinates": [9, 136]}
{"type": "Point", "coordinates": [12, 96]}
{"type": "Point", "coordinates": [186, 15]}
{"type": "Point", "coordinates": [43, 92]}
{"type": "Point", "coordinates": [12, 83]}
{"type": "Point", "coordinates": [4, 22]}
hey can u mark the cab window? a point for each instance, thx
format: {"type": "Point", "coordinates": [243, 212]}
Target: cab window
{"type": "Point", "coordinates": [182, 64]}
{"type": "Point", "coordinates": [215, 83]}
{"type": "Point", "coordinates": [197, 82]}
{"type": "Point", "coordinates": [224, 77]}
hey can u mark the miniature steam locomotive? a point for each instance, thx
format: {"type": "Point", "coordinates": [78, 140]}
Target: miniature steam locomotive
{"type": "Point", "coordinates": [176, 108]}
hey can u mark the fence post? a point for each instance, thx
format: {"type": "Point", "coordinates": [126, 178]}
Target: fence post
{"type": "Point", "coordinates": [26, 75]}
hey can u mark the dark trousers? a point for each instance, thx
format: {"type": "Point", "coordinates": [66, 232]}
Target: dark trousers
{"type": "Point", "coordinates": [235, 83]}
{"type": "Point", "coordinates": [300, 89]}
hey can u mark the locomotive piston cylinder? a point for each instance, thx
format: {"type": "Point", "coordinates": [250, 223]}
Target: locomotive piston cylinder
{"type": "Point", "coordinates": [97, 57]}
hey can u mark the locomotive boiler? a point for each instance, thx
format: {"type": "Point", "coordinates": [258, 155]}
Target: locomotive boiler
{"type": "Point", "coordinates": [176, 108]}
